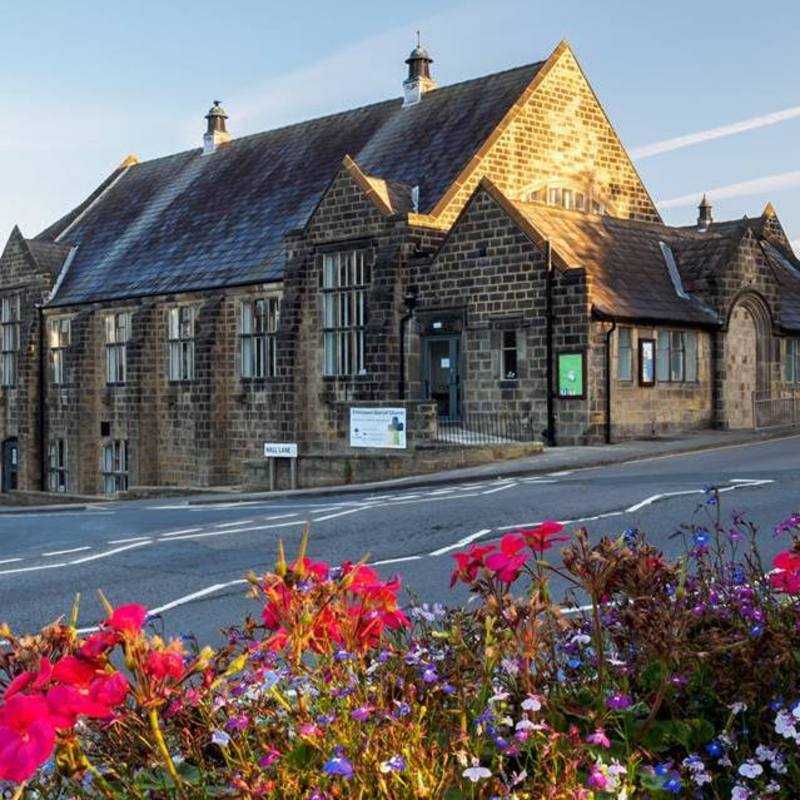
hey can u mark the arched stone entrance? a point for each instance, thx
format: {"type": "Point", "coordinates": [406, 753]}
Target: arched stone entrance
{"type": "Point", "coordinates": [746, 360]}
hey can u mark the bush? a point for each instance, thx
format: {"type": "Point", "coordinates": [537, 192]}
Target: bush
{"type": "Point", "coordinates": [663, 680]}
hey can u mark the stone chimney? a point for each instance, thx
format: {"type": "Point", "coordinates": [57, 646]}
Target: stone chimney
{"type": "Point", "coordinates": [216, 133]}
{"type": "Point", "coordinates": [704, 218]}
{"type": "Point", "coordinates": [419, 78]}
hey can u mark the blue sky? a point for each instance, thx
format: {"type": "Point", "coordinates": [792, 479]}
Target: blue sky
{"type": "Point", "coordinates": [83, 84]}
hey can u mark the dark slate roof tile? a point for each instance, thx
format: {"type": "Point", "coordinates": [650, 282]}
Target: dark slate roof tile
{"type": "Point", "coordinates": [189, 221]}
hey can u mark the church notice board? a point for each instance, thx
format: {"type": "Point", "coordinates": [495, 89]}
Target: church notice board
{"type": "Point", "coordinates": [378, 427]}
{"type": "Point", "coordinates": [572, 374]}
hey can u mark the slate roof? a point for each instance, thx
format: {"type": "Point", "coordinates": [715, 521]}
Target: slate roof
{"type": "Point", "coordinates": [787, 272]}
{"type": "Point", "coordinates": [49, 255]}
{"type": "Point", "coordinates": [625, 260]}
{"type": "Point", "coordinates": [189, 221]}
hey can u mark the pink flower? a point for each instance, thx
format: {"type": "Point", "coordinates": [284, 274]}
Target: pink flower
{"type": "Point", "coordinates": [507, 563]}
{"type": "Point", "coordinates": [786, 576]}
{"type": "Point", "coordinates": [27, 737]}
{"type": "Point", "coordinates": [599, 738]}
{"type": "Point", "coordinates": [596, 779]}
{"type": "Point", "coordinates": [543, 536]}
{"type": "Point", "coordinates": [127, 619]}
{"type": "Point", "coordinates": [469, 563]}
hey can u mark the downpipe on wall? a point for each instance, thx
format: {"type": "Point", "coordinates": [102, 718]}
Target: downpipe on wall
{"type": "Point", "coordinates": [40, 406]}
{"type": "Point", "coordinates": [609, 333]}
{"type": "Point", "coordinates": [550, 432]}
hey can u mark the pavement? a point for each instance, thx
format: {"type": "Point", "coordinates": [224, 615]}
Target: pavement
{"type": "Point", "coordinates": [186, 562]}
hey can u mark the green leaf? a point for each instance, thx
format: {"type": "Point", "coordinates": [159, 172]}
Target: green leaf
{"type": "Point", "coordinates": [301, 756]}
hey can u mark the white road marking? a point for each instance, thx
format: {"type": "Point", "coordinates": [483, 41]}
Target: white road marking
{"type": "Point", "coordinates": [340, 514]}
{"type": "Point", "coordinates": [443, 491]}
{"type": "Point", "coordinates": [131, 539]}
{"type": "Point", "coordinates": [561, 473]}
{"type": "Point", "coordinates": [460, 543]}
{"type": "Point", "coordinates": [434, 499]}
{"type": "Point", "coordinates": [406, 496]}
{"type": "Point", "coordinates": [230, 530]}
{"type": "Point", "coordinates": [64, 552]}
{"type": "Point", "coordinates": [106, 553]}
{"type": "Point", "coordinates": [228, 524]}
{"type": "Point", "coordinates": [32, 569]}
{"type": "Point", "coordinates": [394, 560]}
{"type": "Point", "coordinates": [499, 488]}
{"type": "Point", "coordinates": [195, 596]}
{"type": "Point", "coordinates": [176, 533]}
{"type": "Point", "coordinates": [10, 560]}
{"type": "Point", "coordinates": [282, 516]}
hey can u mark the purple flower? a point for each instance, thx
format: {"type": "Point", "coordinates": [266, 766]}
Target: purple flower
{"type": "Point", "coordinates": [429, 675]}
{"type": "Point", "coordinates": [619, 702]}
{"type": "Point", "coordinates": [402, 710]}
{"type": "Point", "coordinates": [361, 714]}
{"type": "Point", "coordinates": [393, 764]}
{"type": "Point", "coordinates": [338, 765]}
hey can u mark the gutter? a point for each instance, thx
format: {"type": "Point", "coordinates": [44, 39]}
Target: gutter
{"type": "Point", "coordinates": [609, 332]}
{"type": "Point", "coordinates": [41, 404]}
{"type": "Point", "coordinates": [550, 432]}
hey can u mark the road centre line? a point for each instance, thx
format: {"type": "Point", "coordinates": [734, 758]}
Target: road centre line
{"type": "Point", "coordinates": [64, 552]}
{"type": "Point", "coordinates": [281, 516]}
{"type": "Point", "coordinates": [499, 488]}
{"type": "Point", "coordinates": [434, 499]}
{"type": "Point", "coordinates": [341, 513]}
{"type": "Point", "coordinates": [232, 524]}
{"type": "Point", "coordinates": [131, 539]}
{"type": "Point", "coordinates": [176, 533]}
{"type": "Point", "coordinates": [106, 553]}
{"type": "Point", "coordinates": [461, 542]}
{"type": "Point", "coordinates": [10, 560]}
{"type": "Point", "coordinates": [398, 560]}
{"type": "Point", "coordinates": [231, 530]}
{"type": "Point", "coordinates": [32, 569]}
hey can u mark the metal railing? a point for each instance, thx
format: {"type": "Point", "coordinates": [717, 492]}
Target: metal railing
{"type": "Point", "coordinates": [775, 412]}
{"type": "Point", "coordinates": [486, 428]}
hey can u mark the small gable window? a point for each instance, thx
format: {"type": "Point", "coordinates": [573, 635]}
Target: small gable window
{"type": "Point", "coordinates": [624, 355]}
{"type": "Point", "coordinates": [792, 362]}
{"type": "Point", "coordinates": [9, 321]}
{"type": "Point", "coordinates": [118, 333]}
{"type": "Point", "coordinates": [345, 276]}
{"type": "Point", "coordinates": [115, 466]}
{"type": "Point", "coordinates": [60, 337]}
{"type": "Point", "coordinates": [258, 337]}
{"type": "Point", "coordinates": [181, 343]}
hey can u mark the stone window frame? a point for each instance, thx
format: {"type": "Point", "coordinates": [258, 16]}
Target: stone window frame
{"type": "Point", "coordinates": [674, 362]}
{"type": "Point", "coordinates": [344, 280]}
{"type": "Point", "coordinates": [59, 335]}
{"type": "Point", "coordinates": [792, 361]}
{"type": "Point", "coordinates": [181, 343]}
{"type": "Point", "coordinates": [10, 309]}
{"type": "Point", "coordinates": [117, 335]}
{"type": "Point", "coordinates": [115, 465]}
{"type": "Point", "coordinates": [58, 470]}
{"type": "Point", "coordinates": [629, 349]}
{"type": "Point", "coordinates": [570, 194]}
{"type": "Point", "coordinates": [258, 336]}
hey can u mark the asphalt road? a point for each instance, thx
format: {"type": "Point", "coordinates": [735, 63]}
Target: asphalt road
{"type": "Point", "coordinates": [188, 560]}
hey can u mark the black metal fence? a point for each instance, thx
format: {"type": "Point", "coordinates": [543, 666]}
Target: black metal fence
{"type": "Point", "coordinates": [486, 428]}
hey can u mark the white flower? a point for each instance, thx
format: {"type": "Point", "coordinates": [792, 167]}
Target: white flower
{"type": "Point", "coordinates": [498, 696]}
{"type": "Point", "coordinates": [772, 787]}
{"type": "Point", "coordinates": [532, 703]}
{"type": "Point", "coordinates": [581, 639]}
{"type": "Point", "coordinates": [765, 753]}
{"type": "Point", "coordinates": [740, 793]}
{"type": "Point", "coordinates": [737, 708]}
{"type": "Point", "coordinates": [616, 769]}
{"type": "Point", "coordinates": [785, 725]}
{"type": "Point", "coordinates": [525, 725]}
{"type": "Point", "coordinates": [476, 773]}
{"type": "Point", "coordinates": [510, 665]}
{"type": "Point", "coordinates": [221, 738]}
{"type": "Point", "coordinates": [751, 769]}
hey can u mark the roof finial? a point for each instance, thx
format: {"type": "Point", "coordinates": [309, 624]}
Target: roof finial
{"type": "Point", "coordinates": [418, 40]}
{"type": "Point", "coordinates": [216, 132]}
{"type": "Point", "coordinates": [704, 218]}
{"type": "Point", "coordinates": [419, 78]}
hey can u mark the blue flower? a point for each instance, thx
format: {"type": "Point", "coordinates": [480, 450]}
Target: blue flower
{"type": "Point", "coordinates": [574, 663]}
{"type": "Point", "coordinates": [702, 537]}
{"type": "Point", "coordinates": [714, 749]}
{"type": "Point", "coordinates": [673, 785]}
{"type": "Point", "coordinates": [662, 769]}
{"type": "Point", "coordinates": [339, 765]}
{"type": "Point", "coordinates": [756, 630]}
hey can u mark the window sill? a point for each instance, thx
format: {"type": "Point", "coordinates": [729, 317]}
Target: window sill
{"type": "Point", "coordinates": [360, 376]}
{"type": "Point", "coordinates": [508, 383]}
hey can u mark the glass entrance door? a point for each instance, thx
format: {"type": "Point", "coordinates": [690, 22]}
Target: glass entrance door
{"type": "Point", "coordinates": [441, 378]}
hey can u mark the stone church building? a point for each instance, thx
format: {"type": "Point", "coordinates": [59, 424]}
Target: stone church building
{"type": "Point", "coordinates": [481, 249]}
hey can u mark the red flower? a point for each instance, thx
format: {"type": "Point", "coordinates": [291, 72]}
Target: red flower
{"type": "Point", "coordinates": [469, 563]}
{"type": "Point", "coordinates": [162, 664]}
{"type": "Point", "coordinates": [30, 679]}
{"type": "Point", "coordinates": [27, 737]}
{"type": "Point", "coordinates": [127, 619]}
{"type": "Point", "coordinates": [277, 641]}
{"type": "Point", "coordinates": [507, 563]}
{"type": "Point", "coordinates": [74, 671]}
{"type": "Point", "coordinates": [98, 644]}
{"type": "Point", "coordinates": [786, 575]}
{"type": "Point", "coordinates": [543, 536]}
{"type": "Point", "coordinates": [109, 690]}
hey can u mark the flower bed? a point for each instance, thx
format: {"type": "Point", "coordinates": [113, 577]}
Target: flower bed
{"type": "Point", "coordinates": [671, 680]}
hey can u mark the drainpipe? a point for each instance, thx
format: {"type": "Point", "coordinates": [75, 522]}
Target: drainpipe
{"type": "Point", "coordinates": [551, 412]}
{"type": "Point", "coordinates": [608, 380]}
{"type": "Point", "coordinates": [40, 410]}
{"type": "Point", "coordinates": [410, 302]}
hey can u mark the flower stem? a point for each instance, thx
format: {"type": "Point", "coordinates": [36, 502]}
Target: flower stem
{"type": "Point", "coordinates": [162, 747]}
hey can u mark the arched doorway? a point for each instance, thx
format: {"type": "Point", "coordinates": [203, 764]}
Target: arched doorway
{"type": "Point", "coordinates": [746, 360]}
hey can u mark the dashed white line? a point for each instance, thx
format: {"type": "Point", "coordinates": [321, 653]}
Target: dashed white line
{"type": "Point", "coordinates": [106, 553]}
{"type": "Point", "coordinates": [130, 539]}
{"type": "Point", "coordinates": [10, 560]}
{"type": "Point", "coordinates": [398, 560]}
{"type": "Point", "coordinates": [64, 552]}
{"type": "Point", "coordinates": [461, 542]}
{"type": "Point", "coordinates": [282, 516]}
{"type": "Point", "coordinates": [32, 569]}
{"type": "Point", "coordinates": [340, 514]}
{"type": "Point", "coordinates": [229, 524]}
{"type": "Point", "coordinates": [500, 488]}
{"type": "Point", "coordinates": [177, 533]}
{"type": "Point", "coordinates": [230, 530]}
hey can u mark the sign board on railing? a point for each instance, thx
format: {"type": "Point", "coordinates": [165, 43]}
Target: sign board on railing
{"type": "Point", "coordinates": [280, 450]}
{"type": "Point", "coordinates": [378, 427]}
